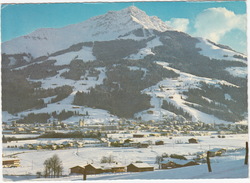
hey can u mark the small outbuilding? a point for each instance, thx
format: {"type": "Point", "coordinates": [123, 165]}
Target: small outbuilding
{"type": "Point", "coordinates": [159, 142]}
{"type": "Point", "coordinates": [138, 135]}
{"type": "Point", "coordinates": [143, 145]}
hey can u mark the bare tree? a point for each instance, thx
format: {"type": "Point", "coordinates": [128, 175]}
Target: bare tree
{"type": "Point", "coordinates": [158, 160]}
{"type": "Point", "coordinates": [107, 159]}
{"type": "Point", "coordinates": [53, 167]}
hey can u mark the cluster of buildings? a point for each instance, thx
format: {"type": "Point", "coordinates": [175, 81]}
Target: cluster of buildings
{"type": "Point", "coordinates": [167, 128]}
{"type": "Point", "coordinates": [53, 146]}
{"type": "Point", "coordinates": [138, 166]}
{"type": "Point", "coordinates": [110, 168]}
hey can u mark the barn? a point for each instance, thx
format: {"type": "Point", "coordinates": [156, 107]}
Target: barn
{"type": "Point", "coordinates": [113, 167]}
{"type": "Point", "coordinates": [139, 167]}
{"type": "Point", "coordinates": [176, 163]}
{"type": "Point", "coordinates": [77, 170]}
{"type": "Point", "coordinates": [216, 152]}
{"type": "Point", "coordinates": [93, 169]}
{"type": "Point", "coordinates": [9, 163]}
{"type": "Point", "coordinates": [169, 164]}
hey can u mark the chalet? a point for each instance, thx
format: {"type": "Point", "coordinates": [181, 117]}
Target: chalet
{"type": "Point", "coordinates": [93, 169]}
{"type": "Point", "coordinates": [9, 163]}
{"type": "Point", "coordinates": [169, 164]}
{"type": "Point", "coordinates": [112, 167]}
{"type": "Point", "coordinates": [109, 127]}
{"type": "Point", "coordinates": [79, 144]}
{"type": "Point", "coordinates": [118, 168]}
{"type": "Point", "coordinates": [143, 145]}
{"type": "Point", "coordinates": [128, 141]}
{"type": "Point", "coordinates": [139, 167]}
{"type": "Point", "coordinates": [193, 141]}
{"type": "Point", "coordinates": [159, 142]}
{"type": "Point", "coordinates": [138, 135]}
{"type": "Point", "coordinates": [216, 152]}
{"type": "Point", "coordinates": [106, 144]}
{"type": "Point", "coordinates": [149, 142]}
{"type": "Point", "coordinates": [77, 170]}
{"type": "Point", "coordinates": [38, 147]}
{"type": "Point", "coordinates": [134, 144]}
{"type": "Point", "coordinates": [53, 147]}
{"type": "Point", "coordinates": [176, 163]}
{"type": "Point", "coordinates": [19, 130]}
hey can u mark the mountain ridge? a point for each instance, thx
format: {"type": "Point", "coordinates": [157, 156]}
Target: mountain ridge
{"type": "Point", "coordinates": [102, 28]}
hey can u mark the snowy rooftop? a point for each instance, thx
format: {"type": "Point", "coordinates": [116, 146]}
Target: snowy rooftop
{"type": "Point", "coordinates": [141, 165]}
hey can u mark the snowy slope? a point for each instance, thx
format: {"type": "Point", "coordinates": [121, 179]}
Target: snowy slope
{"type": "Point", "coordinates": [147, 50]}
{"type": "Point", "coordinates": [84, 54]}
{"type": "Point", "coordinates": [96, 115]}
{"type": "Point", "coordinates": [171, 91]}
{"type": "Point", "coordinates": [237, 71]}
{"type": "Point", "coordinates": [214, 52]}
{"type": "Point", "coordinates": [110, 26]}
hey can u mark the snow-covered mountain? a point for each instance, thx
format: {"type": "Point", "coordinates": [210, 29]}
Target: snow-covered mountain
{"type": "Point", "coordinates": [121, 64]}
{"type": "Point", "coordinates": [111, 26]}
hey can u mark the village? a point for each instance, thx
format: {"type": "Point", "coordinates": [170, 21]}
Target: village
{"type": "Point", "coordinates": [164, 127]}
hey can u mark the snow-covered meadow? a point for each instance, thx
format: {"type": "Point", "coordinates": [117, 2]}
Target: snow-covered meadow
{"type": "Point", "coordinates": [32, 160]}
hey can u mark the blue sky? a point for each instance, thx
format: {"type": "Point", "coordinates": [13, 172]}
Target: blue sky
{"type": "Point", "coordinates": [222, 22]}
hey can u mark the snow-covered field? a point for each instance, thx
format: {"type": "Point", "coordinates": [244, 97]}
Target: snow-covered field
{"type": "Point", "coordinates": [32, 160]}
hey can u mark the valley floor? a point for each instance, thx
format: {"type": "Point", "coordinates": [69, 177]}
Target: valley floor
{"type": "Point", "coordinates": [230, 165]}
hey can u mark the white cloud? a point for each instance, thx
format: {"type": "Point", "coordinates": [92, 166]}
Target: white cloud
{"type": "Point", "coordinates": [180, 24]}
{"type": "Point", "coordinates": [214, 23]}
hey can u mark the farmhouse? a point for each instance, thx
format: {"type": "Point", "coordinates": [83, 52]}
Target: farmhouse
{"type": "Point", "coordinates": [139, 167]}
{"type": "Point", "coordinates": [143, 145]}
{"type": "Point", "coordinates": [9, 163]}
{"type": "Point", "coordinates": [93, 169]}
{"type": "Point", "coordinates": [169, 164]}
{"type": "Point", "coordinates": [112, 167]}
{"type": "Point", "coordinates": [216, 152]}
{"type": "Point", "coordinates": [134, 144]}
{"type": "Point", "coordinates": [193, 141]}
{"type": "Point", "coordinates": [77, 170]}
{"type": "Point", "coordinates": [176, 163]}
{"type": "Point", "coordinates": [104, 168]}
